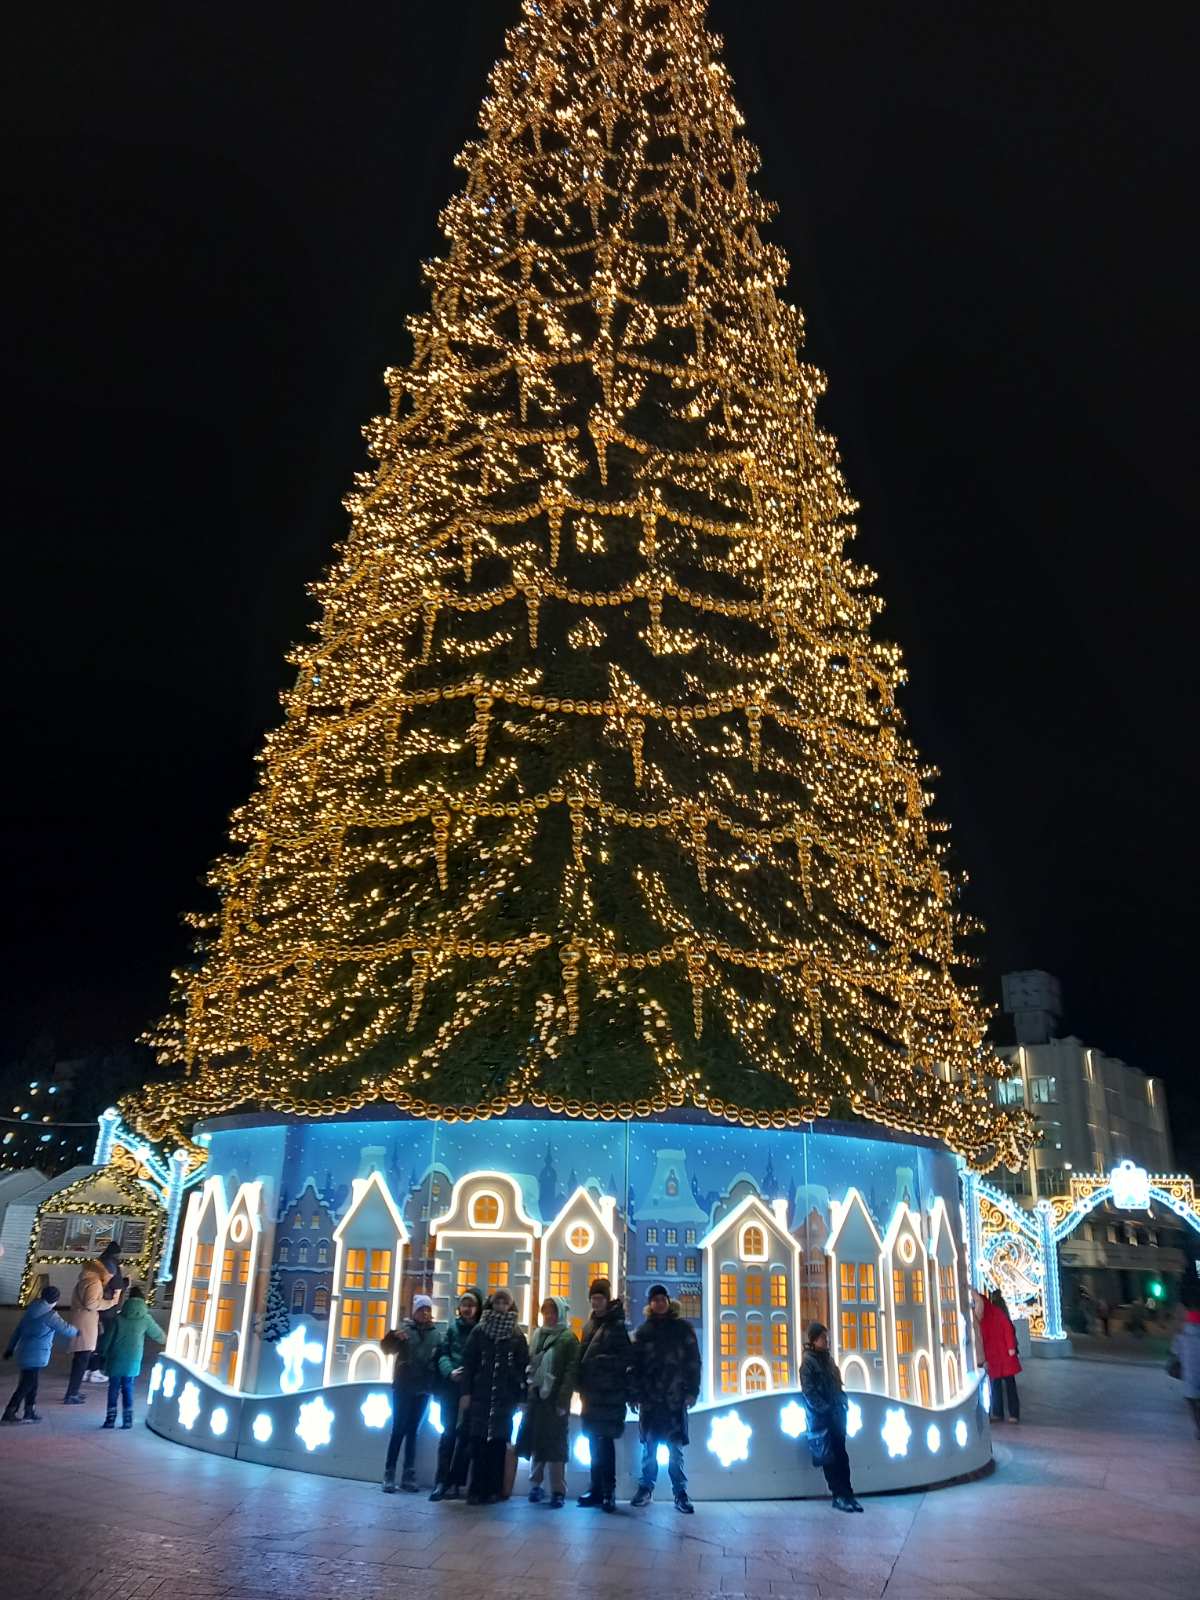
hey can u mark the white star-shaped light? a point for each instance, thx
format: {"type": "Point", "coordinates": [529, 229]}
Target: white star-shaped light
{"type": "Point", "coordinates": [434, 1417]}
{"type": "Point", "coordinates": [960, 1434]}
{"type": "Point", "coordinates": [729, 1438]}
{"type": "Point", "coordinates": [933, 1438]}
{"type": "Point", "coordinates": [219, 1421]}
{"type": "Point", "coordinates": [315, 1426]}
{"type": "Point", "coordinates": [376, 1410]}
{"type": "Point", "coordinates": [169, 1382]}
{"type": "Point", "coordinates": [583, 1450]}
{"type": "Point", "coordinates": [156, 1377]}
{"type": "Point", "coordinates": [262, 1427]}
{"type": "Point", "coordinates": [853, 1419]}
{"type": "Point", "coordinates": [294, 1351]}
{"type": "Point", "coordinates": [189, 1404]}
{"type": "Point", "coordinates": [895, 1431]}
{"type": "Point", "coordinates": [793, 1419]}
{"type": "Point", "coordinates": [985, 1394]}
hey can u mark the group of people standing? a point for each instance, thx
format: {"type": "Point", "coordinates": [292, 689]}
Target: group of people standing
{"type": "Point", "coordinates": [481, 1370]}
{"type": "Point", "coordinates": [108, 1323]}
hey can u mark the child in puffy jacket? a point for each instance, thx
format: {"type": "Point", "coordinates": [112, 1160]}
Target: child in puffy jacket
{"type": "Point", "coordinates": [32, 1340]}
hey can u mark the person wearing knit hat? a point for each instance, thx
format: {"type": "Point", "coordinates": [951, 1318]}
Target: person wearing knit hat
{"type": "Point", "coordinates": [544, 1435]}
{"type": "Point", "coordinates": [413, 1347]}
{"type": "Point", "coordinates": [454, 1447]}
{"type": "Point", "coordinates": [826, 1405]}
{"type": "Point", "coordinates": [665, 1380]}
{"type": "Point", "coordinates": [603, 1391]}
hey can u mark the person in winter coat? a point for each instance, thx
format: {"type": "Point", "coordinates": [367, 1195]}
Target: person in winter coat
{"type": "Point", "coordinates": [1185, 1347]}
{"type": "Point", "coordinates": [999, 1339]}
{"type": "Point", "coordinates": [666, 1385]}
{"type": "Point", "coordinates": [32, 1340]}
{"type": "Point", "coordinates": [124, 1359]}
{"type": "Point", "coordinates": [109, 1258]}
{"type": "Point", "coordinates": [415, 1346]}
{"type": "Point", "coordinates": [826, 1405]}
{"type": "Point", "coordinates": [454, 1447]}
{"type": "Point", "coordinates": [96, 1289]}
{"type": "Point", "coordinates": [553, 1363]}
{"type": "Point", "coordinates": [604, 1356]}
{"type": "Point", "coordinates": [494, 1364]}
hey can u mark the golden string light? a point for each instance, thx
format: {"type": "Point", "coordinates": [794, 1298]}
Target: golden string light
{"type": "Point", "coordinates": [595, 634]}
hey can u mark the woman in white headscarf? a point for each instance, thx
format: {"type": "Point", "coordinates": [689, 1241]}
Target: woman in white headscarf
{"type": "Point", "coordinates": [553, 1364]}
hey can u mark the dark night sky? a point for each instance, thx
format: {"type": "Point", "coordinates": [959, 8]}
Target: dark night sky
{"type": "Point", "coordinates": [217, 214]}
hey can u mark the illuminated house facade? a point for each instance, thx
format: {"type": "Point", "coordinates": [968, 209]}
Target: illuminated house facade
{"type": "Point", "coordinates": [950, 1326]}
{"type": "Point", "coordinates": [304, 1255]}
{"type": "Point", "coordinates": [369, 1245]}
{"type": "Point", "coordinates": [752, 1295]}
{"type": "Point", "coordinates": [907, 1325]}
{"type": "Point", "coordinates": [857, 1337]}
{"type": "Point", "coordinates": [485, 1239]}
{"type": "Point", "coordinates": [204, 1227]}
{"type": "Point", "coordinates": [580, 1245]}
{"type": "Point", "coordinates": [664, 1245]}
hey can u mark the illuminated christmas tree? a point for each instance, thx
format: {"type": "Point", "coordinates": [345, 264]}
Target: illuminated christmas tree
{"type": "Point", "coordinates": [592, 791]}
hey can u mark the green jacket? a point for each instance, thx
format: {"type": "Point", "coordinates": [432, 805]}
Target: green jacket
{"type": "Point", "coordinates": [451, 1351]}
{"type": "Point", "coordinates": [130, 1331]}
{"type": "Point", "coordinates": [416, 1358]}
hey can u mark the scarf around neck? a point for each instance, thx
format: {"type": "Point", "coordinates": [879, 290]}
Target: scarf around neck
{"type": "Point", "coordinates": [499, 1324]}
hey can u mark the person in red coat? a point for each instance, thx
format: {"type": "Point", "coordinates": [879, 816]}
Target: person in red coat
{"type": "Point", "coordinates": [999, 1354]}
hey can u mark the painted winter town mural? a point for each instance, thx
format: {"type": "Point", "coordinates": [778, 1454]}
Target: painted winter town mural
{"type": "Point", "coordinates": [307, 1242]}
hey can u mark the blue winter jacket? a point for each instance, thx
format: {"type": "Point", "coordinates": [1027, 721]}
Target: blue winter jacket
{"type": "Point", "coordinates": [34, 1334]}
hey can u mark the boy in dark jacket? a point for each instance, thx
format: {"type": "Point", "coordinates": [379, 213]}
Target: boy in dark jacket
{"type": "Point", "coordinates": [31, 1342]}
{"type": "Point", "coordinates": [666, 1385]}
{"type": "Point", "coordinates": [454, 1447]}
{"type": "Point", "coordinates": [603, 1381]}
{"type": "Point", "coordinates": [825, 1402]}
{"type": "Point", "coordinates": [415, 1346]}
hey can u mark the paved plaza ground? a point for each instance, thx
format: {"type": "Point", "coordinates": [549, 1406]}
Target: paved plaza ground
{"type": "Point", "coordinates": [1096, 1494]}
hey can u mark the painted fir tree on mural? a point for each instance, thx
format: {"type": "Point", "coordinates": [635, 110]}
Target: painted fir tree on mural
{"type": "Point", "coordinates": [592, 790]}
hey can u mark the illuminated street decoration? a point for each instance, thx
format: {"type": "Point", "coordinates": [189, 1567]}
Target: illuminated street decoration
{"type": "Point", "coordinates": [296, 1351]}
{"type": "Point", "coordinates": [156, 1377]}
{"type": "Point", "coordinates": [169, 1383]}
{"type": "Point", "coordinates": [933, 1438]}
{"type": "Point", "coordinates": [262, 1427]}
{"type": "Point", "coordinates": [793, 1419]}
{"type": "Point", "coordinates": [729, 1438]}
{"type": "Point", "coordinates": [219, 1421]}
{"type": "Point", "coordinates": [961, 1434]}
{"type": "Point", "coordinates": [1130, 1185]}
{"type": "Point", "coordinates": [583, 1451]}
{"type": "Point", "coordinates": [315, 1423]}
{"type": "Point", "coordinates": [376, 1410]}
{"type": "Point", "coordinates": [854, 1419]}
{"type": "Point", "coordinates": [189, 1404]}
{"type": "Point", "coordinates": [896, 1431]}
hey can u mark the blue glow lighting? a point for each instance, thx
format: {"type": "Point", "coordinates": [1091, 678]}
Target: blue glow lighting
{"type": "Point", "coordinates": [793, 1419]}
{"type": "Point", "coordinates": [189, 1405]}
{"type": "Point", "coordinates": [156, 1378]}
{"type": "Point", "coordinates": [219, 1421]}
{"type": "Point", "coordinates": [169, 1383]}
{"type": "Point", "coordinates": [376, 1410]}
{"type": "Point", "coordinates": [960, 1434]}
{"type": "Point", "coordinates": [985, 1394]}
{"type": "Point", "coordinates": [434, 1417]}
{"type": "Point", "coordinates": [516, 1428]}
{"type": "Point", "coordinates": [896, 1431]}
{"type": "Point", "coordinates": [854, 1419]}
{"type": "Point", "coordinates": [663, 1456]}
{"type": "Point", "coordinates": [729, 1438]}
{"type": "Point", "coordinates": [583, 1450]}
{"type": "Point", "coordinates": [933, 1438]}
{"type": "Point", "coordinates": [296, 1349]}
{"type": "Point", "coordinates": [263, 1427]}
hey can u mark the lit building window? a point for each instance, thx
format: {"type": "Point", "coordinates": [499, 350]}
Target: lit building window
{"type": "Point", "coordinates": [651, 1235]}
{"type": "Point", "coordinates": [866, 1281]}
{"type": "Point", "coordinates": [652, 1263]}
{"type": "Point", "coordinates": [216, 1356]}
{"type": "Point", "coordinates": [302, 1252]}
{"type": "Point", "coordinates": [560, 1279]}
{"type": "Point", "coordinates": [298, 1296]}
{"type": "Point", "coordinates": [754, 1338]}
{"type": "Point", "coordinates": [356, 1269]}
{"type": "Point", "coordinates": [756, 1378]}
{"type": "Point", "coordinates": [672, 1236]}
{"type": "Point", "coordinates": [779, 1289]}
{"type": "Point", "coordinates": [320, 1303]}
{"type": "Point", "coordinates": [904, 1336]}
{"type": "Point", "coordinates": [224, 1316]}
{"type": "Point", "coordinates": [599, 1269]}
{"type": "Point", "coordinates": [781, 1373]}
{"type": "Point", "coordinates": [949, 1328]}
{"type": "Point", "coordinates": [754, 1288]}
{"type": "Point", "coordinates": [754, 1244]}
{"type": "Point", "coordinates": [381, 1268]}
{"type": "Point", "coordinates": [285, 1253]}
{"type": "Point", "coordinates": [203, 1262]}
{"type": "Point", "coordinates": [918, 1286]}
{"type": "Point", "coordinates": [229, 1266]}
{"type": "Point", "coordinates": [870, 1330]}
{"type": "Point", "coordinates": [729, 1338]}
{"type": "Point", "coordinates": [729, 1377]}
{"type": "Point", "coordinates": [947, 1278]}
{"type": "Point", "coordinates": [689, 1264]}
{"type": "Point", "coordinates": [689, 1236]}
{"type": "Point", "coordinates": [729, 1289]}
{"type": "Point", "coordinates": [898, 1285]}
{"type": "Point", "coordinates": [197, 1302]}
{"type": "Point", "coordinates": [376, 1319]}
{"type": "Point", "coordinates": [849, 1331]}
{"type": "Point", "coordinates": [580, 1237]}
{"type": "Point", "coordinates": [923, 1381]}
{"type": "Point", "coordinates": [497, 1276]}
{"type": "Point", "coordinates": [689, 1303]}
{"type": "Point", "coordinates": [323, 1254]}
{"type": "Point", "coordinates": [467, 1277]}
{"type": "Point", "coordinates": [779, 1338]}
{"type": "Point", "coordinates": [672, 1264]}
{"type": "Point", "coordinates": [297, 1222]}
{"type": "Point", "coordinates": [485, 1211]}
{"type": "Point", "coordinates": [316, 1221]}
{"type": "Point", "coordinates": [848, 1281]}
{"type": "Point", "coordinates": [905, 1381]}
{"type": "Point", "coordinates": [351, 1323]}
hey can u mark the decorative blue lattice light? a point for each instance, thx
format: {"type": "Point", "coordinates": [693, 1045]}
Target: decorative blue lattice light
{"type": "Point", "coordinates": [729, 1438]}
{"type": "Point", "coordinates": [315, 1423]}
{"type": "Point", "coordinates": [376, 1410]}
{"type": "Point", "coordinates": [262, 1427]}
{"type": "Point", "coordinates": [793, 1419]}
{"type": "Point", "coordinates": [189, 1405]}
{"type": "Point", "coordinates": [896, 1431]}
